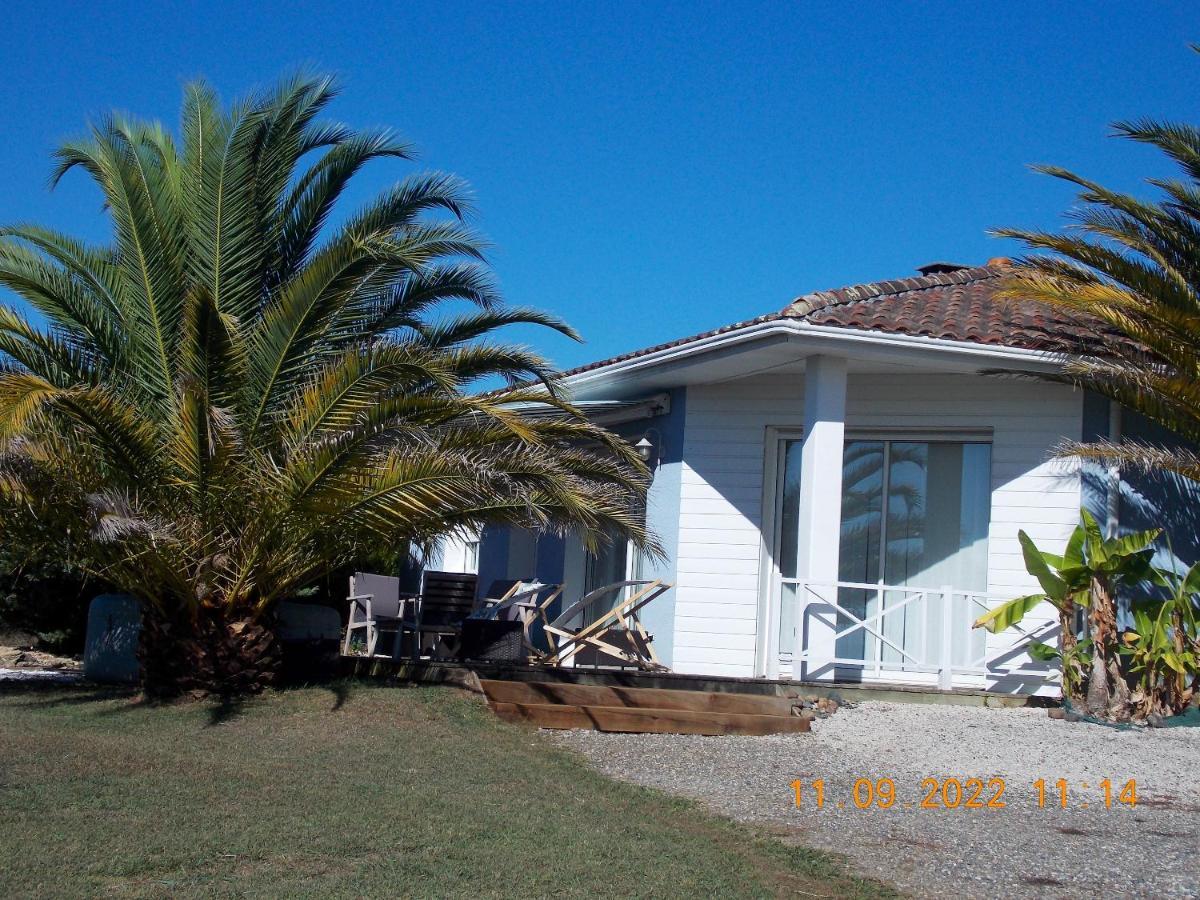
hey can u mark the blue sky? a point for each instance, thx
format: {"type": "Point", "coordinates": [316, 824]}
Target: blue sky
{"type": "Point", "coordinates": [651, 170]}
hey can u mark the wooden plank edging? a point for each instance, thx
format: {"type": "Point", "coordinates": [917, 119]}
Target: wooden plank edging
{"type": "Point", "coordinates": [542, 692]}
{"type": "Point", "coordinates": [646, 721]}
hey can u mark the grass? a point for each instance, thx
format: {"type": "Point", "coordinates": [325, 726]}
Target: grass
{"type": "Point", "coordinates": [349, 791]}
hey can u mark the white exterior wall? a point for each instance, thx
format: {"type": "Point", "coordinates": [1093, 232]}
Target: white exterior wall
{"type": "Point", "coordinates": [717, 602]}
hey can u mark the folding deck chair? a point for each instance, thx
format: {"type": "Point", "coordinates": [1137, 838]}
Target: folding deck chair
{"type": "Point", "coordinates": [378, 605]}
{"type": "Point", "coordinates": [608, 637]}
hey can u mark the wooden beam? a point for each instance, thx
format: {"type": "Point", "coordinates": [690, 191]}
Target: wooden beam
{"type": "Point", "coordinates": [646, 721]}
{"type": "Point", "coordinates": [538, 692]}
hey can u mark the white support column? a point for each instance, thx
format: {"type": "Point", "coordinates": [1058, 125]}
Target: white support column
{"type": "Point", "coordinates": [820, 509]}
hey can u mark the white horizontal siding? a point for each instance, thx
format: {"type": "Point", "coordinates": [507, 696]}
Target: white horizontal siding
{"type": "Point", "coordinates": [722, 483]}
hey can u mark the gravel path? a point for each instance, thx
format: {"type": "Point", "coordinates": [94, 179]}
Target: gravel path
{"type": "Point", "coordinates": [1021, 850]}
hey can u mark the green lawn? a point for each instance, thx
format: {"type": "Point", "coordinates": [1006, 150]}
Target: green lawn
{"type": "Point", "coordinates": [348, 791]}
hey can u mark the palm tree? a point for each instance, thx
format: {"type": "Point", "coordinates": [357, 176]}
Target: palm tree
{"type": "Point", "coordinates": [1131, 268]}
{"type": "Point", "coordinates": [236, 396]}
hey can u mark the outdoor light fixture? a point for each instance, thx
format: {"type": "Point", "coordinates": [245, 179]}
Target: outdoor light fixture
{"type": "Point", "coordinates": [649, 447]}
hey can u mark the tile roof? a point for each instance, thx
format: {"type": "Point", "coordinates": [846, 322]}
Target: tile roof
{"type": "Point", "coordinates": [957, 305]}
{"type": "Point", "coordinates": [954, 306]}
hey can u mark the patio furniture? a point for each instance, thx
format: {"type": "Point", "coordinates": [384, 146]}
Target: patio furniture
{"type": "Point", "coordinates": [524, 602]}
{"type": "Point", "coordinates": [446, 599]}
{"type": "Point", "coordinates": [502, 589]}
{"type": "Point", "coordinates": [494, 640]}
{"type": "Point", "coordinates": [377, 605]}
{"type": "Point", "coordinates": [615, 636]}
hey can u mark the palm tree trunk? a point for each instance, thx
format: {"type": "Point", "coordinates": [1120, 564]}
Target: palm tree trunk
{"type": "Point", "coordinates": [213, 651]}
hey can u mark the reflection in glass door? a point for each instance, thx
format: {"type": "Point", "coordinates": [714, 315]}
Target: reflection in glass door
{"type": "Point", "coordinates": [616, 560]}
{"type": "Point", "coordinates": [914, 514]}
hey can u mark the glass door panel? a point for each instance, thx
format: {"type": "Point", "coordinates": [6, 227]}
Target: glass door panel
{"type": "Point", "coordinates": [615, 561]}
{"type": "Point", "coordinates": [789, 544]}
{"type": "Point", "coordinates": [864, 484]}
{"type": "Point", "coordinates": [914, 513]}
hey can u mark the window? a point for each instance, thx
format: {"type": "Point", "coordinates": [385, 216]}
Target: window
{"type": "Point", "coordinates": [471, 556]}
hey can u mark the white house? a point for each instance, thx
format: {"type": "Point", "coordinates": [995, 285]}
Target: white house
{"type": "Point", "coordinates": [839, 484]}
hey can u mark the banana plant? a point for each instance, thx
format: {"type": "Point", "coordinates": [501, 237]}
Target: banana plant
{"type": "Point", "coordinates": [1087, 575]}
{"type": "Point", "coordinates": [1162, 649]}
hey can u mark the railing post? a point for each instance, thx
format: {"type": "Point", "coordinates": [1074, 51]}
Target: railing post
{"type": "Point", "coordinates": [946, 672]}
{"type": "Point", "coordinates": [799, 611]}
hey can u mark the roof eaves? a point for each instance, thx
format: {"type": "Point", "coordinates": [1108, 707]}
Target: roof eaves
{"type": "Point", "coordinates": [670, 345]}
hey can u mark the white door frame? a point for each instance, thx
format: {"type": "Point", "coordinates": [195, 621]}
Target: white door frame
{"type": "Point", "coordinates": [766, 651]}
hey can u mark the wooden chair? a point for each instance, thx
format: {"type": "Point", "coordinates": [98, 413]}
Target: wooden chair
{"type": "Point", "coordinates": [378, 605]}
{"type": "Point", "coordinates": [446, 599]}
{"type": "Point", "coordinates": [526, 602]}
{"type": "Point", "coordinates": [616, 633]}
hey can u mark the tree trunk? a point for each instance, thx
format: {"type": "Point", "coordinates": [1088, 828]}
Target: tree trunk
{"type": "Point", "coordinates": [214, 652]}
{"type": "Point", "coordinates": [1066, 643]}
{"type": "Point", "coordinates": [1097, 689]}
{"type": "Point", "coordinates": [1107, 693]}
{"type": "Point", "coordinates": [1177, 686]}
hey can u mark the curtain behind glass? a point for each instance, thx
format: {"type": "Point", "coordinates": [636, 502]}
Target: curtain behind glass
{"type": "Point", "coordinates": [925, 507]}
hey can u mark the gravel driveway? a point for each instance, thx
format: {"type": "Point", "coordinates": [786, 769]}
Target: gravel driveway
{"type": "Point", "coordinates": [1021, 850]}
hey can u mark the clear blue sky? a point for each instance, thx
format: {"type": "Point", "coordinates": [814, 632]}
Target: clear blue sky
{"type": "Point", "coordinates": [650, 170]}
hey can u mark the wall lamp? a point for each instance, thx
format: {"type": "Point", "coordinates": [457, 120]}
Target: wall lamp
{"type": "Point", "coordinates": [649, 447]}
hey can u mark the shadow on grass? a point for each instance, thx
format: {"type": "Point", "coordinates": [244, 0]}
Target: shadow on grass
{"type": "Point", "coordinates": [341, 690]}
{"type": "Point", "coordinates": [225, 708]}
{"type": "Point", "coordinates": [219, 709]}
{"type": "Point", "coordinates": [53, 695]}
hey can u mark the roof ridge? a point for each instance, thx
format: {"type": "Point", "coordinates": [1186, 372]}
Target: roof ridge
{"type": "Point", "coordinates": [871, 290]}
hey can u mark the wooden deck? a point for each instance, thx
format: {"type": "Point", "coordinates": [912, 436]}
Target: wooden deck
{"type": "Point", "coordinates": [469, 676]}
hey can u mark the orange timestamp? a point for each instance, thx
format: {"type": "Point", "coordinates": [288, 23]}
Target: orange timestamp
{"type": "Point", "coordinates": [956, 793]}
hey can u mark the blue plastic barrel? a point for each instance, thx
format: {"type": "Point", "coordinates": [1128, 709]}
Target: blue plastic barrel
{"type": "Point", "coordinates": [110, 647]}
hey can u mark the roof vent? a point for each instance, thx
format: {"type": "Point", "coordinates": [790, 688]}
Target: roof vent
{"type": "Point", "coordinates": [940, 268]}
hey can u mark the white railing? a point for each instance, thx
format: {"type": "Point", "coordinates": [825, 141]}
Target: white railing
{"type": "Point", "coordinates": [912, 634]}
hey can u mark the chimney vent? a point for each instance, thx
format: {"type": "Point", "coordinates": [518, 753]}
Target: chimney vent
{"type": "Point", "coordinates": [940, 268]}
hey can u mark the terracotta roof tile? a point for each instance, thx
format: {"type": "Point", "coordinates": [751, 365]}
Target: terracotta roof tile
{"type": "Point", "coordinates": [953, 306]}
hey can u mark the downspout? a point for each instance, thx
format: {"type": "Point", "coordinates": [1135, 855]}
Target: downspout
{"type": "Point", "coordinates": [1114, 471]}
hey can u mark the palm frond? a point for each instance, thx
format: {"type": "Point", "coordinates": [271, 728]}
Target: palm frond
{"type": "Point", "coordinates": [1130, 267]}
{"type": "Point", "coordinates": [232, 397]}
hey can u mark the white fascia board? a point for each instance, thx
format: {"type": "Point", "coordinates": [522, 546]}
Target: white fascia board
{"type": "Point", "coordinates": [828, 338]}
{"type": "Point", "coordinates": [1015, 358]}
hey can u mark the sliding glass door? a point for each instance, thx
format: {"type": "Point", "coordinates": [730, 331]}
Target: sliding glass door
{"type": "Point", "coordinates": [616, 560]}
{"type": "Point", "coordinates": [915, 513]}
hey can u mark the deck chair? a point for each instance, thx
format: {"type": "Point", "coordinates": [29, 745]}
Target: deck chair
{"type": "Point", "coordinates": [501, 590]}
{"type": "Point", "coordinates": [526, 602]}
{"type": "Point", "coordinates": [616, 636]}
{"type": "Point", "coordinates": [446, 599]}
{"type": "Point", "coordinates": [377, 605]}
